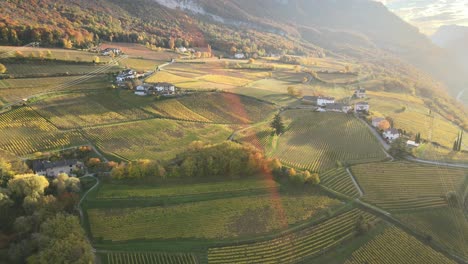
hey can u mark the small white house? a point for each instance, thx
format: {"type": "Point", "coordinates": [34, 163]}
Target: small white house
{"type": "Point", "coordinates": [318, 100]}
{"type": "Point", "coordinates": [412, 144]}
{"type": "Point", "coordinates": [360, 93]}
{"type": "Point", "coordinates": [391, 134]}
{"type": "Point", "coordinates": [337, 107]}
{"type": "Point", "coordinates": [362, 107]}
{"type": "Point", "coordinates": [182, 49]}
{"type": "Point", "coordinates": [141, 93]}
{"type": "Point", "coordinates": [239, 56]}
{"type": "Point", "coordinates": [376, 121]}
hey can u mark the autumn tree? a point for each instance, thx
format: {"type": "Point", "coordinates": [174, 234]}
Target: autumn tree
{"type": "Point", "coordinates": [96, 60]}
{"type": "Point", "coordinates": [64, 183]}
{"type": "Point", "coordinates": [278, 125]}
{"type": "Point", "coordinates": [67, 44]}
{"type": "Point", "coordinates": [24, 185]}
{"type": "Point", "coordinates": [384, 125]}
{"type": "Point", "coordinates": [171, 43]}
{"type": "Point", "coordinates": [3, 69]}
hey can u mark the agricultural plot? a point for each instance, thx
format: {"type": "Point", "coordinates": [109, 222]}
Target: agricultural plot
{"type": "Point", "coordinates": [395, 246]}
{"type": "Point", "coordinates": [293, 247]}
{"type": "Point", "coordinates": [154, 139]}
{"type": "Point", "coordinates": [397, 186]}
{"type": "Point", "coordinates": [23, 132]}
{"type": "Point", "coordinates": [446, 226]}
{"type": "Point", "coordinates": [57, 54]}
{"type": "Point", "coordinates": [340, 181]}
{"type": "Point", "coordinates": [224, 108]}
{"type": "Point", "coordinates": [338, 78]}
{"type": "Point", "coordinates": [51, 68]}
{"type": "Point", "coordinates": [148, 258]}
{"type": "Point", "coordinates": [85, 110]}
{"type": "Point", "coordinates": [140, 64]}
{"type": "Point", "coordinates": [317, 141]}
{"type": "Point", "coordinates": [222, 218]}
{"type": "Point", "coordinates": [431, 152]}
{"type": "Point", "coordinates": [126, 191]}
{"type": "Point", "coordinates": [229, 80]}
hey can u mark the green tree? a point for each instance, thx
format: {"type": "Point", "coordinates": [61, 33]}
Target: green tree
{"type": "Point", "coordinates": [64, 183]}
{"type": "Point", "coordinates": [311, 178]}
{"type": "Point", "coordinates": [24, 185]}
{"type": "Point", "coordinates": [399, 149]}
{"type": "Point", "coordinates": [3, 69]}
{"type": "Point", "coordinates": [277, 125]}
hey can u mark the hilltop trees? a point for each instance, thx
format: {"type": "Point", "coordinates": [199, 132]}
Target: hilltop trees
{"type": "Point", "coordinates": [277, 125]}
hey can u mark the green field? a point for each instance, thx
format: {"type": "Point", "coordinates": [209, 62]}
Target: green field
{"type": "Point", "coordinates": [444, 225]}
{"type": "Point", "coordinates": [23, 132]}
{"type": "Point", "coordinates": [340, 181]}
{"type": "Point", "coordinates": [317, 141]}
{"type": "Point", "coordinates": [220, 219]}
{"type": "Point", "coordinates": [128, 191]}
{"type": "Point", "coordinates": [154, 139]}
{"type": "Point", "coordinates": [403, 186]}
{"type": "Point", "coordinates": [294, 247]}
{"type": "Point", "coordinates": [395, 246]}
{"type": "Point", "coordinates": [51, 68]}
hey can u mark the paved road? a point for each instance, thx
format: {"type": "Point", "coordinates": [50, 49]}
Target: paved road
{"type": "Point", "coordinates": [453, 165]}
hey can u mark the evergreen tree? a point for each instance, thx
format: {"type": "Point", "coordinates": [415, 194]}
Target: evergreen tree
{"type": "Point", "coordinates": [278, 125]}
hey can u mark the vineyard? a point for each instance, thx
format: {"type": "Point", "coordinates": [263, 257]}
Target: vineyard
{"type": "Point", "coordinates": [340, 181]}
{"type": "Point", "coordinates": [293, 247]}
{"type": "Point", "coordinates": [83, 110]}
{"type": "Point", "coordinates": [42, 70]}
{"type": "Point", "coordinates": [445, 225]}
{"type": "Point", "coordinates": [220, 218]}
{"type": "Point", "coordinates": [406, 186]}
{"type": "Point", "coordinates": [125, 191]}
{"type": "Point", "coordinates": [317, 141]}
{"type": "Point", "coordinates": [148, 258]}
{"type": "Point", "coordinates": [23, 132]}
{"type": "Point", "coordinates": [395, 246]}
{"type": "Point", "coordinates": [154, 139]}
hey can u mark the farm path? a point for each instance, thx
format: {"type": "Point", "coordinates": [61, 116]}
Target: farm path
{"type": "Point", "coordinates": [361, 193]}
{"type": "Point", "coordinates": [80, 209]}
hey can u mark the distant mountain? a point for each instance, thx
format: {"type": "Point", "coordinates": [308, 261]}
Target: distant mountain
{"type": "Point", "coordinates": [454, 39]}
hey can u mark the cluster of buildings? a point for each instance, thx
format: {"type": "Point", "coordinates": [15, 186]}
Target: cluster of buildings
{"type": "Point", "coordinates": [162, 88]}
{"type": "Point", "coordinates": [390, 134]}
{"type": "Point", "coordinates": [130, 74]}
{"type": "Point", "coordinates": [329, 104]}
{"type": "Point", "coordinates": [53, 169]}
{"type": "Point", "coordinates": [110, 51]}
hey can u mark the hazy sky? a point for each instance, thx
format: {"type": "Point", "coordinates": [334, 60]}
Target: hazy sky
{"type": "Point", "coordinates": [429, 15]}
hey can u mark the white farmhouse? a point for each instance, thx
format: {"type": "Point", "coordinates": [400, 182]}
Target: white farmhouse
{"type": "Point", "coordinates": [53, 169]}
{"type": "Point", "coordinates": [362, 107]}
{"type": "Point", "coordinates": [318, 100]}
{"type": "Point", "coordinates": [141, 90]}
{"type": "Point", "coordinates": [360, 93]}
{"type": "Point", "coordinates": [239, 56]}
{"type": "Point", "coordinates": [391, 134]}
{"type": "Point", "coordinates": [338, 107]}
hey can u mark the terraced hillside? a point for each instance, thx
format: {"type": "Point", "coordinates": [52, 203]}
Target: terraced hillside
{"type": "Point", "coordinates": [395, 246]}
{"type": "Point", "coordinates": [340, 181]}
{"type": "Point", "coordinates": [317, 141]}
{"type": "Point", "coordinates": [399, 186]}
{"type": "Point", "coordinates": [149, 258]}
{"type": "Point", "coordinates": [293, 247]}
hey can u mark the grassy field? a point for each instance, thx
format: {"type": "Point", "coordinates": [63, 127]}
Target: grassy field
{"type": "Point", "coordinates": [85, 110]}
{"type": "Point", "coordinates": [58, 54]}
{"type": "Point", "coordinates": [215, 219]}
{"type": "Point", "coordinates": [223, 108]}
{"type": "Point", "coordinates": [154, 139]}
{"type": "Point", "coordinates": [395, 246]}
{"type": "Point", "coordinates": [317, 141]}
{"type": "Point", "coordinates": [127, 191]}
{"type": "Point", "coordinates": [23, 132]}
{"type": "Point", "coordinates": [147, 258]}
{"type": "Point", "coordinates": [402, 186]}
{"type": "Point", "coordinates": [447, 226]}
{"type": "Point", "coordinates": [431, 152]}
{"type": "Point", "coordinates": [51, 68]}
{"type": "Point", "coordinates": [294, 247]}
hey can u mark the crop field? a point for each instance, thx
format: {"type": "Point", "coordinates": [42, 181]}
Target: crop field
{"type": "Point", "coordinates": [17, 89]}
{"type": "Point", "coordinates": [84, 110]}
{"type": "Point", "coordinates": [221, 218]}
{"type": "Point", "coordinates": [279, 98]}
{"type": "Point", "coordinates": [148, 258]}
{"type": "Point", "coordinates": [317, 141]}
{"type": "Point", "coordinates": [154, 139]}
{"type": "Point", "coordinates": [340, 181]}
{"type": "Point", "coordinates": [234, 81]}
{"type": "Point", "coordinates": [399, 186]}
{"type": "Point", "coordinates": [51, 68]}
{"type": "Point", "coordinates": [396, 246]}
{"type": "Point", "coordinates": [225, 108]}
{"type": "Point", "coordinates": [164, 76]}
{"type": "Point", "coordinates": [293, 247]}
{"type": "Point", "coordinates": [126, 191]}
{"type": "Point", "coordinates": [445, 225]}
{"type": "Point", "coordinates": [431, 152]}
{"type": "Point", "coordinates": [338, 77]}
{"type": "Point", "coordinates": [23, 132]}
{"type": "Point", "coordinates": [140, 51]}
{"type": "Point", "coordinates": [58, 54]}
{"type": "Point", "coordinates": [140, 64]}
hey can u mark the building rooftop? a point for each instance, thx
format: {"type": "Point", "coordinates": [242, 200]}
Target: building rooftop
{"type": "Point", "coordinates": [42, 165]}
